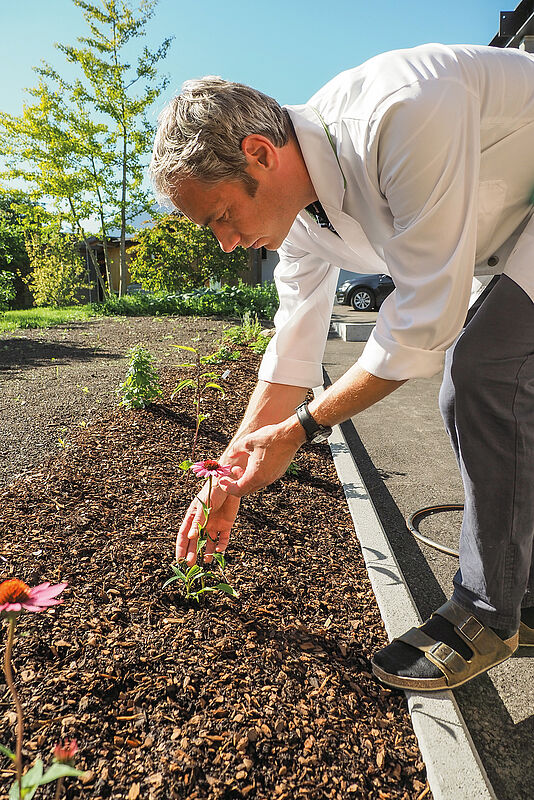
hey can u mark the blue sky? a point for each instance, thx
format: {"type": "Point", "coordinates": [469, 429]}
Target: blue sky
{"type": "Point", "coordinates": [287, 48]}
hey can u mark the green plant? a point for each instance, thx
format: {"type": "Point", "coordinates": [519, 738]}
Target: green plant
{"type": "Point", "coordinates": [228, 301]}
{"type": "Point", "coordinates": [249, 334]}
{"type": "Point", "coordinates": [174, 254]}
{"type": "Point", "coordinates": [197, 574]}
{"type": "Point", "coordinates": [200, 382]}
{"type": "Point", "coordinates": [293, 469]}
{"type": "Point", "coordinates": [7, 289]}
{"type": "Point", "coordinates": [57, 270]}
{"type": "Point", "coordinates": [142, 383]}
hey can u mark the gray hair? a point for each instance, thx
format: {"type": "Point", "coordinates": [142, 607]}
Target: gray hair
{"type": "Point", "coordinates": [200, 133]}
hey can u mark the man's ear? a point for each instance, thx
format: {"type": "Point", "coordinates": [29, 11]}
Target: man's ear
{"type": "Point", "coordinates": [260, 152]}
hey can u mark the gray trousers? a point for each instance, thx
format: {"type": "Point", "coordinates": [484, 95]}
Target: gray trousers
{"type": "Point", "coordinates": [487, 403]}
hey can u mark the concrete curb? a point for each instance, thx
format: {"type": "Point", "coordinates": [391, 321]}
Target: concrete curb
{"type": "Point", "coordinates": [353, 331]}
{"type": "Point", "coordinates": [454, 769]}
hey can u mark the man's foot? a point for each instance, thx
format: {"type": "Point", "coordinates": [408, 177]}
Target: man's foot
{"type": "Point", "coordinates": [451, 648]}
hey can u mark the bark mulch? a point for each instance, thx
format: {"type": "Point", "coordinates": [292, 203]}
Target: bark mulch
{"type": "Point", "coordinates": [266, 696]}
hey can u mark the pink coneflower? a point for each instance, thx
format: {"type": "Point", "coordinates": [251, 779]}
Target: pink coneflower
{"type": "Point", "coordinates": [211, 469]}
{"type": "Point", "coordinates": [16, 595]}
{"type": "Point", "coordinates": [64, 753]}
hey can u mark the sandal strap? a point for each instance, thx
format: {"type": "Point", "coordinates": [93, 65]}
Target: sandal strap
{"type": "Point", "coordinates": [440, 654]}
{"type": "Point", "coordinates": [480, 639]}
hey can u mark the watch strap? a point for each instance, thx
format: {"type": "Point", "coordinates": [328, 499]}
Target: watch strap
{"type": "Point", "coordinates": [310, 425]}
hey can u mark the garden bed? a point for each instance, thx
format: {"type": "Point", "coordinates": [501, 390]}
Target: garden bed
{"type": "Point", "coordinates": [268, 696]}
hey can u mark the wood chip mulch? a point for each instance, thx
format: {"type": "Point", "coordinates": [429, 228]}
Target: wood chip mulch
{"type": "Point", "coordinates": [267, 697]}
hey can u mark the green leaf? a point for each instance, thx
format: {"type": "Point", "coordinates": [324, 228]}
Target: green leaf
{"type": "Point", "coordinates": [58, 770]}
{"type": "Point", "coordinates": [181, 385]}
{"type": "Point", "coordinates": [7, 753]}
{"type": "Point", "coordinates": [171, 580]}
{"type": "Point", "coordinates": [214, 386]}
{"type": "Point", "coordinates": [183, 347]}
{"type": "Point", "coordinates": [227, 589]}
{"type": "Point", "coordinates": [220, 559]}
{"type": "Point", "coordinates": [192, 571]}
{"type": "Point", "coordinates": [185, 465]}
{"type": "Point", "coordinates": [30, 783]}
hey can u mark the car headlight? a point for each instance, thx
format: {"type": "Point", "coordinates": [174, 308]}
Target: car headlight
{"type": "Point", "coordinates": [344, 286]}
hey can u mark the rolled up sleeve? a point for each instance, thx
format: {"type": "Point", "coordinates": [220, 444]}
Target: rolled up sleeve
{"type": "Point", "coordinates": [306, 286]}
{"type": "Point", "coordinates": [428, 155]}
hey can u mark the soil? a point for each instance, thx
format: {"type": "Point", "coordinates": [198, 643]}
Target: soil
{"type": "Point", "coordinates": [268, 696]}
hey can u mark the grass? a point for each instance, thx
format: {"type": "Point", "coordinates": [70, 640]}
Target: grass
{"type": "Point", "coordinates": [44, 317]}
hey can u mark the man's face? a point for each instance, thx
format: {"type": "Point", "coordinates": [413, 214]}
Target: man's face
{"type": "Point", "coordinates": [235, 217]}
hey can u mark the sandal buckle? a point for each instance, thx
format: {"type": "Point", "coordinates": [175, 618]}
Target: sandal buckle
{"type": "Point", "coordinates": [443, 653]}
{"type": "Point", "coordinates": [471, 628]}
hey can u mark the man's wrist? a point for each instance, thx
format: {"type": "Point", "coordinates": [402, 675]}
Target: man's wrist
{"type": "Point", "coordinates": [293, 431]}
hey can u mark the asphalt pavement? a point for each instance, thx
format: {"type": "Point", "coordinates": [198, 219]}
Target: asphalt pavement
{"type": "Point", "coordinates": [404, 456]}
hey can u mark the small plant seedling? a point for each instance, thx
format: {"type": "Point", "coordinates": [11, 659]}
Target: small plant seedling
{"type": "Point", "coordinates": [194, 578]}
{"type": "Point", "coordinates": [293, 469]}
{"type": "Point", "coordinates": [200, 382]}
{"type": "Point", "coordinates": [141, 386]}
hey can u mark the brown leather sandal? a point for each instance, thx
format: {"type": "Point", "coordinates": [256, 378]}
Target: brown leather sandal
{"type": "Point", "coordinates": [526, 635]}
{"type": "Point", "coordinates": [487, 648]}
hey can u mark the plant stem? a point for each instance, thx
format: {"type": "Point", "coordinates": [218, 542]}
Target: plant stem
{"type": "Point", "coordinates": [59, 787]}
{"type": "Point", "coordinates": [20, 719]}
{"type": "Point", "coordinates": [197, 404]}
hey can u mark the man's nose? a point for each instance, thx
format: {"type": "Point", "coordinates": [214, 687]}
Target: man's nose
{"type": "Point", "coordinates": [228, 239]}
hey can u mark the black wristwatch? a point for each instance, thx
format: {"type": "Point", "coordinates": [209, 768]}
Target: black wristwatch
{"type": "Point", "coordinates": [314, 432]}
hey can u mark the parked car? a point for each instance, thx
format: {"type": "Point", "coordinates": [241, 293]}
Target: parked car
{"type": "Point", "coordinates": [365, 292]}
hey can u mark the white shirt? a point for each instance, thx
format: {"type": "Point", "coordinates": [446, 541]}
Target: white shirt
{"type": "Point", "coordinates": [423, 160]}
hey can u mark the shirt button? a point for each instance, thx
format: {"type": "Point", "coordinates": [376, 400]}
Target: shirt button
{"type": "Point", "coordinates": [493, 261]}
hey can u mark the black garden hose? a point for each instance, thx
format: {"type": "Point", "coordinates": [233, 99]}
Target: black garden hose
{"type": "Point", "coordinates": [415, 518]}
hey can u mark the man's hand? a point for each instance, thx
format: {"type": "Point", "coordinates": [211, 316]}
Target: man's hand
{"type": "Point", "coordinates": [268, 452]}
{"type": "Point", "coordinates": [224, 510]}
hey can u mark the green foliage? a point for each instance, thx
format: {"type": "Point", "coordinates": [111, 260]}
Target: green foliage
{"type": "Point", "coordinates": [176, 255]}
{"type": "Point", "coordinates": [249, 334]}
{"type": "Point", "coordinates": [57, 269]}
{"type": "Point", "coordinates": [13, 222]}
{"type": "Point", "coordinates": [194, 578]}
{"type": "Point", "coordinates": [142, 383]}
{"type": "Point", "coordinates": [229, 301]}
{"type": "Point", "coordinates": [43, 317]}
{"type": "Point", "coordinates": [82, 145]}
{"type": "Point", "coordinates": [7, 289]}
{"type": "Point", "coordinates": [35, 778]}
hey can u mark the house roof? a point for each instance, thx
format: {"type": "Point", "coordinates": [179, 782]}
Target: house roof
{"type": "Point", "coordinates": [514, 25]}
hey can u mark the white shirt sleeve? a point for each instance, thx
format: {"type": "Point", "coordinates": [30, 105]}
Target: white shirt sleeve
{"type": "Point", "coordinates": [428, 154]}
{"type": "Point", "coordinates": [306, 286]}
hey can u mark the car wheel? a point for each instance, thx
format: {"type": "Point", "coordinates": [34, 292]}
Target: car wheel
{"type": "Point", "coordinates": [362, 300]}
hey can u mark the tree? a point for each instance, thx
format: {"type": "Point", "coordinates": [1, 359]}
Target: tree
{"type": "Point", "coordinates": [110, 81]}
{"type": "Point", "coordinates": [175, 254]}
{"type": "Point", "coordinates": [42, 150]}
{"type": "Point", "coordinates": [80, 146]}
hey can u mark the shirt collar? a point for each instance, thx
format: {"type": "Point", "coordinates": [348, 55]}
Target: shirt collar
{"type": "Point", "coordinates": [319, 156]}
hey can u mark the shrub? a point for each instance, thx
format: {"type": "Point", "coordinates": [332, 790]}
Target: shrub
{"type": "Point", "coordinates": [142, 383]}
{"type": "Point", "coordinates": [7, 289]}
{"type": "Point", "coordinates": [229, 301]}
{"type": "Point", "coordinates": [176, 255]}
{"type": "Point", "coordinates": [57, 269]}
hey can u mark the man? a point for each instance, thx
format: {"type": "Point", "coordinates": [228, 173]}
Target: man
{"type": "Point", "coordinates": [419, 163]}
